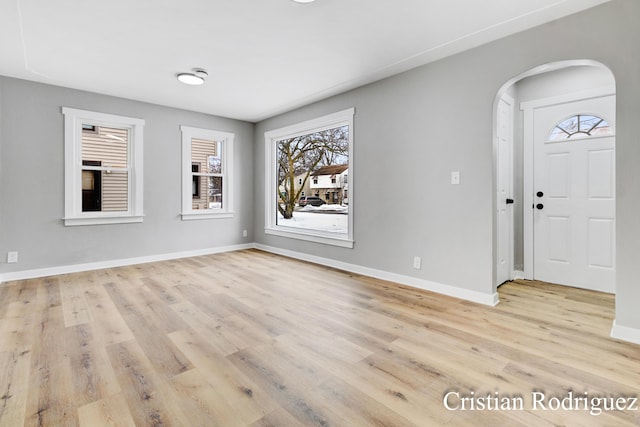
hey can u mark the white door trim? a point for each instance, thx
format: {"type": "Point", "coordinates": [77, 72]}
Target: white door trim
{"type": "Point", "coordinates": [528, 109]}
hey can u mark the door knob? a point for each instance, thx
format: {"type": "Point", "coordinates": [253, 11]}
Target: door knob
{"type": "Point", "coordinates": [539, 206]}
{"type": "Point", "coordinates": [509, 201]}
{"type": "Point", "coordinates": [539, 194]}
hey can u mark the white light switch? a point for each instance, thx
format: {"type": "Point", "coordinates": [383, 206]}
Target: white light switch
{"type": "Point", "coordinates": [455, 177]}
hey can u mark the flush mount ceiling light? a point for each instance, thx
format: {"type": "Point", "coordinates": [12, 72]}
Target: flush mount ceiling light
{"type": "Point", "coordinates": [304, 1]}
{"type": "Point", "coordinates": [194, 78]}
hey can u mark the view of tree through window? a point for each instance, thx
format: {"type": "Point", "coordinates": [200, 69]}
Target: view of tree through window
{"type": "Point", "coordinates": [312, 177]}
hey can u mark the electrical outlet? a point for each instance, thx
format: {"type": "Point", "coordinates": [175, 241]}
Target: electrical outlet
{"type": "Point", "coordinates": [417, 262]}
{"type": "Point", "coordinates": [12, 257]}
{"type": "Point", "coordinates": [244, 233]}
{"type": "Point", "coordinates": [455, 177]}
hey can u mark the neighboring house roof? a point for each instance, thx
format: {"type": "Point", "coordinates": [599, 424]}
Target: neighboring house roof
{"type": "Point", "coordinates": [330, 170]}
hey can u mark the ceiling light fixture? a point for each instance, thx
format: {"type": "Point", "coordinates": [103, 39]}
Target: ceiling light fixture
{"type": "Point", "coordinates": [304, 1]}
{"type": "Point", "coordinates": [195, 78]}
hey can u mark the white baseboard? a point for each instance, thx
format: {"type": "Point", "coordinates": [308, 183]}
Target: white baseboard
{"type": "Point", "coordinates": [76, 268]}
{"type": "Point", "coordinates": [625, 333]}
{"type": "Point", "coordinates": [453, 291]}
{"type": "Point", "coordinates": [474, 296]}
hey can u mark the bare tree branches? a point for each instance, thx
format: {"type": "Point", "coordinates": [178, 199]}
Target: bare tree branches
{"type": "Point", "coordinates": [303, 154]}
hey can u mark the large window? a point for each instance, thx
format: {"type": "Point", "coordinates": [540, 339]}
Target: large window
{"type": "Point", "coordinates": [313, 157]}
{"type": "Point", "coordinates": [103, 168]}
{"type": "Point", "coordinates": [207, 160]}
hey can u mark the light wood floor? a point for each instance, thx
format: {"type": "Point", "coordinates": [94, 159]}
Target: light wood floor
{"type": "Point", "coordinates": [250, 338]}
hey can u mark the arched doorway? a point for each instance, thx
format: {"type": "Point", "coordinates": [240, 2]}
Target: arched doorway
{"type": "Point", "coordinates": [530, 151]}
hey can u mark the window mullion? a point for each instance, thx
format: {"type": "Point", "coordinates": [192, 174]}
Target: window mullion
{"type": "Point", "coordinates": [104, 168]}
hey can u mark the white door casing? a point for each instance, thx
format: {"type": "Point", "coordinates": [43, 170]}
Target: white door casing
{"type": "Point", "coordinates": [504, 184]}
{"type": "Point", "coordinates": [573, 222]}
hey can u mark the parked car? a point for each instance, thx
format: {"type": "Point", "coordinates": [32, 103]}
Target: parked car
{"type": "Point", "coordinates": [310, 200]}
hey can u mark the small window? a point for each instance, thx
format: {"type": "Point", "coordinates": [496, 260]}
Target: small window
{"type": "Point", "coordinates": [580, 126]}
{"type": "Point", "coordinates": [207, 162]}
{"type": "Point", "coordinates": [88, 128]}
{"type": "Point", "coordinates": [103, 168]}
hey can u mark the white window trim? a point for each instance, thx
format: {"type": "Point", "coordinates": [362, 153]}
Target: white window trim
{"type": "Point", "coordinates": [329, 121]}
{"type": "Point", "coordinates": [73, 215]}
{"type": "Point", "coordinates": [225, 139]}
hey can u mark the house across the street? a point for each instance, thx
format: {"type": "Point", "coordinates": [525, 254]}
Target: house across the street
{"type": "Point", "coordinates": [331, 184]}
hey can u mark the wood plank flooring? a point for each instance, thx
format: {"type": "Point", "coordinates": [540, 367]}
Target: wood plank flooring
{"type": "Point", "coordinates": [249, 338]}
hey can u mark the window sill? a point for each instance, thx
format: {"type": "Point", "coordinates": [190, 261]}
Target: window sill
{"type": "Point", "coordinates": [188, 216]}
{"type": "Point", "coordinates": [75, 221]}
{"type": "Point", "coordinates": [317, 237]}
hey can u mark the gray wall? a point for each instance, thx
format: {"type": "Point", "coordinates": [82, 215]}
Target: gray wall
{"type": "Point", "coordinates": [32, 182]}
{"type": "Point", "coordinates": [413, 129]}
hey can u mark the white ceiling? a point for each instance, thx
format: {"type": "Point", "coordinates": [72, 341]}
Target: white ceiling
{"type": "Point", "coordinates": [264, 57]}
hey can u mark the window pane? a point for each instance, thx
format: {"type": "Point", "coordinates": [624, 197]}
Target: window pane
{"type": "Point", "coordinates": [215, 192]}
{"type": "Point", "coordinates": [315, 163]}
{"type": "Point", "coordinates": [207, 192]}
{"type": "Point", "coordinates": [91, 191]}
{"type": "Point", "coordinates": [107, 145]}
{"type": "Point", "coordinates": [205, 155]}
{"type": "Point", "coordinates": [580, 126]}
{"type": "Point", "coordinates": [105, 191]}
{"type": "Point", "coordinates": [588, 122]}
{"type": "Point", "coordinates": [199, 192]}
{"type": "Point", "coordinates": [558, 134]}
{"type": "Point", "coordinates": [570, 125]}
{"type": "Point", "coordinates": [114, 191]}
{"type": "Point", "coordinates": [215, 164]}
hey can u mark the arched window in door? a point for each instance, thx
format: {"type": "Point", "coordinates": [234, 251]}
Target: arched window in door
{"type": "Point", "coordinates": [580, 126]}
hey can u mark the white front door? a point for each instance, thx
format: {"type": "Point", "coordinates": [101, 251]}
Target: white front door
{"type": "Point", "coordinates": [504, 196]}
{"type": "Point", "coordinates": [574, 194]}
